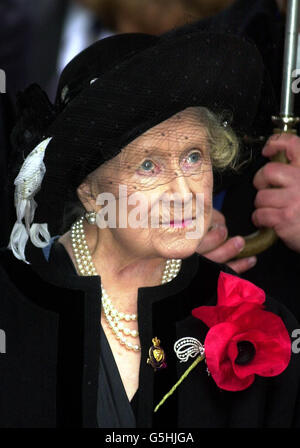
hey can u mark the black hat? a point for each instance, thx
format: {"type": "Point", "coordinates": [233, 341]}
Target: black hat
{"type": "Point", "coordinates": [122, 86]}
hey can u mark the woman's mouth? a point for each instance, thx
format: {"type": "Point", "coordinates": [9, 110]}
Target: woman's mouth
{"type": "Point", "coordinates": [184, 223]}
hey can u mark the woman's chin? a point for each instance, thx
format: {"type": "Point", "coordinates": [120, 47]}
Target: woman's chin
{"type": "Point", "coordinates": [178, 249]}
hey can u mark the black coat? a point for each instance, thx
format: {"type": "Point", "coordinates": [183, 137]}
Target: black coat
{"type": "Point", "coordinates": [49, 373]}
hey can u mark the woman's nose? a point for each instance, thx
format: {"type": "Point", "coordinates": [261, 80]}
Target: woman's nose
{"type": "Point", "coordinates": [180, 185]}
{"type": "Point", "coordinates": [180, 195]}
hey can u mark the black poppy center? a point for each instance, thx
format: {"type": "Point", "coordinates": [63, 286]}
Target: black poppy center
{"type": "Point", "coordinates": [246, 352]}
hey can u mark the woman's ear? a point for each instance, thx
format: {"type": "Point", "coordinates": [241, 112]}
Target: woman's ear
{"type": "Point", "coordinates": [85, 196]}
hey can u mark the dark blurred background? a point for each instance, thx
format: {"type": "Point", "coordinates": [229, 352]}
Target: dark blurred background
{"type": "Point", "coordinates": [39, 37]}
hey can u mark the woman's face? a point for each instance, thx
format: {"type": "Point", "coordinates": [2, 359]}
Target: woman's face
{"type": "Point", "coordinates": [160, 187]}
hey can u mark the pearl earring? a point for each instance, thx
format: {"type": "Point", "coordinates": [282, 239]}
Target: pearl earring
{"type": "Point", "coordinates": [90, 217]}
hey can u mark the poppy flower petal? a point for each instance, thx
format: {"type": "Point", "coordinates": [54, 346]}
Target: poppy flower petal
{"type": "Point", "coordinates": [233, 290]}
{"type": "Point", "coordinates": [213, 315]}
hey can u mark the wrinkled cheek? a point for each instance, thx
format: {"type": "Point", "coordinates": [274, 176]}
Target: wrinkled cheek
{"type": "Point", "coordinates": [208, 208]}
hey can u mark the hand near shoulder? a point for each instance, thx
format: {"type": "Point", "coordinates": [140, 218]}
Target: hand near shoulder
{"type": "Point", "coordinates": [219, 249]}
{"type": "Point", "coordinates": [279, 208]}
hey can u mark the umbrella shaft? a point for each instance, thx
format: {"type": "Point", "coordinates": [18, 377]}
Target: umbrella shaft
{"type": "Point", "coordinates": [290, 57]}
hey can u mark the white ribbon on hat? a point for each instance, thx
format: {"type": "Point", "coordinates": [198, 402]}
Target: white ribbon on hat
{"type": "Point", "coordinates": [27, 184]}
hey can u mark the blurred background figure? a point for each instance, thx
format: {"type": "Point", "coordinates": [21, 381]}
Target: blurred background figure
{"type": "Point", "coordinates": [282, 5]}
{"type": "Point", "coordinates": [61, 30]}
{"type": "Point", "coordinates": [153, 16]}
{"type": "Point", "coordinates": [66, 27]}
{"type": "Point", "coordinates": [15, 43]}
{"type": "Point", "coordinates": [42, 37]}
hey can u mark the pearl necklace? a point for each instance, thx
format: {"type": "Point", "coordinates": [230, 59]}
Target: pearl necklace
{"type": "Point", "coordinates": [86, 267]}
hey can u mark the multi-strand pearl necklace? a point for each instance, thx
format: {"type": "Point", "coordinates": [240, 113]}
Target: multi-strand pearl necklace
{"type": "Point", "coordinates": [113, 317]}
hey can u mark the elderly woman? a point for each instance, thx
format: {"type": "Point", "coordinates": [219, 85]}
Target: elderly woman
{"type": "Point", "coordinates": [104, 318]}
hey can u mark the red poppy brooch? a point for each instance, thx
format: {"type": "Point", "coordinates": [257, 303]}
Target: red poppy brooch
{"type": "Point", "coordinates": [243, 339]}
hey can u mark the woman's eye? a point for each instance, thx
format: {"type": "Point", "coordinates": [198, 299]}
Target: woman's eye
{"type": "Point", "coordinates": [194, 157]}
{"type": "Point", "coordinates": [147, 165]}
{"type": "Point", "coordinates": [148, 168]}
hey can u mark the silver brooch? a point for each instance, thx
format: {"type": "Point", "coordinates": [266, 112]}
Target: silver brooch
{"type": "Point", "coordinates": [188, 347]}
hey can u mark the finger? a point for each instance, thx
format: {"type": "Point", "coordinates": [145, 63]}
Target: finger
{"type": "Point", "coordinates": [242, 265]}
{"type": "Point", "coordinates": [213, 239]}
{"type": "Point", "coordinates": [227, 251]}
{"type": "Point", "coordinates": [272, 197]}
{"type": "Point", "coordinates": [267, 217]}
{"type": "Point", "coordinates": [283, 137]}
{"type": "Point", "coordinates": [284, 142]}
{"type": "Point", "coordinates": [217, 218]}
{"type": "Point", "coordinates": [275, 174]}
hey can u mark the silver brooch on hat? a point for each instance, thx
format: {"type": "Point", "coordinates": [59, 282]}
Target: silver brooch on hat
{"type": "Point", "coordinates": [188, 347]}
